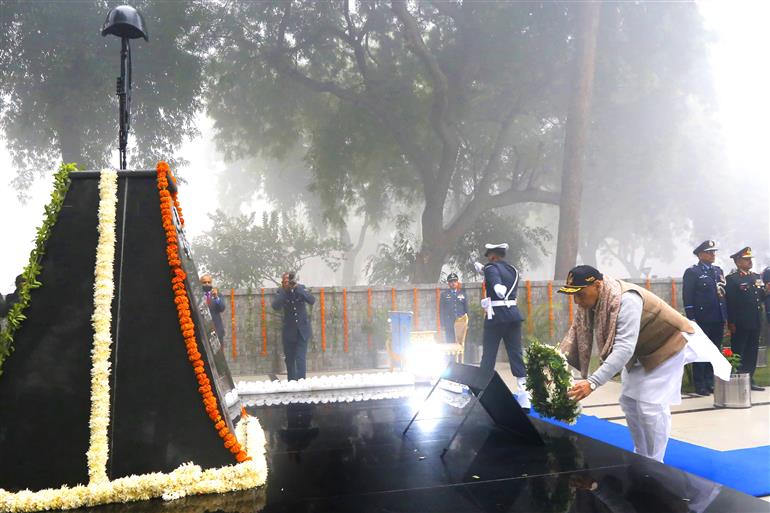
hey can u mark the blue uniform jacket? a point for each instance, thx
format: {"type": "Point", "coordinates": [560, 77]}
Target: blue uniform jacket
{"type": "Point", "coordinates": [295, 316]}
{"type": "Point", "coordinates": [454, 304]}
{"type": "Point", "coordinates": [496, 273]}
{"type": "Point", "coordinates": [703, 294]}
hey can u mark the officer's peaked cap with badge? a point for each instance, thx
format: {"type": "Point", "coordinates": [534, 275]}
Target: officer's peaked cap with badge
{"type": "Point", "coordinates": [452, 277]}
{"type": "Point", "coordinates": [580, 277]}
{"type": "Point", "coordinates": [706, 245]}
{"type": "Point", "coordinates": [744, 253]}
{"type": "Point", "coordinates": [496, 248]}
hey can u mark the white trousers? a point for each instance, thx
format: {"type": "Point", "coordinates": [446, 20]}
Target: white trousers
{"type": "Point", "coordinates": [649, 424]}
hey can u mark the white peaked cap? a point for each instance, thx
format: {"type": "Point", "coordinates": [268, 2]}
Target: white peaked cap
{"type": "Point", "coordinates": [503, 245]}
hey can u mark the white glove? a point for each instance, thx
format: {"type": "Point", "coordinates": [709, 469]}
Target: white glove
{"type": "Point", "coordinates": [479, 267]}
{"type": "Point", "coordinates": [485, 303]}
{"type": "Point", "coordinates": [500, 290]}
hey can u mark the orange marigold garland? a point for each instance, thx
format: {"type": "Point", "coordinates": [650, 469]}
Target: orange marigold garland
{"type": "Point", "coordinates": [168, 202]}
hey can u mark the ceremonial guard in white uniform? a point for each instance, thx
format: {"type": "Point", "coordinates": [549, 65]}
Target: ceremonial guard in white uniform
{"type": "Point", "coordinates": [503, 319]}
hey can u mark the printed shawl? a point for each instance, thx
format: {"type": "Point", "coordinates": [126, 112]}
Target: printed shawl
{"type": "Point", "coordinates": [599, 323]}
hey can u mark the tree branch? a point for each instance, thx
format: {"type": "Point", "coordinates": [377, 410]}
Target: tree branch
{"type": "Point", "coordinates": [440, 110]}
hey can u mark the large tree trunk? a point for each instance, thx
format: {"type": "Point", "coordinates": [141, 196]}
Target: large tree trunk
{"type": "Point", "coordinates": [433, 250]}
{"type": "Point", "coordinates": [576, 136]}
{"type": "Point", "coordinates": [349, 270]}
{"type": "Point", "coordinates": [70, 141]}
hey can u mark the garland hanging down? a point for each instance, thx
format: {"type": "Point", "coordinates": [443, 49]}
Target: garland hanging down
{"type": "Point", "coordinates": [548, 380]}
{"type": "Point", "coordinates": [168, 201]}
{"type": "Point", "coordinates": [187, 479]}
{"type": "Point", "coordinates": [104, 286]}
{"type": "Point", "coordinates": [32, 270]}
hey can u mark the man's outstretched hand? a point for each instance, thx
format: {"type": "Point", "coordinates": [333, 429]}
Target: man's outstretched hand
{"type": "Point", "coordinates": [580, 390]}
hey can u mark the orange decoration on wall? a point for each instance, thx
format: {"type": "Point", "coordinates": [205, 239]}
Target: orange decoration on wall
{"type": "Point", "coordinates": [673, 294]}
{"type": "Point", "coordinates": [232, 322]}
{"type": "Point", "coordinates": [182, 302]}
{"type": "Point", "coordinates": [550, 309]}
{"type": "Point", "coordinates": [345, 319]}
{"type": "Point", "coordinates": [647, 284]}
{"type": "Point", "coordinates": [483, 289]}
{"type": "Point", "coordinates": [369, 316]}
{"type": "Point", "coordinates": [263, 318]}
{"type": "Point", "coordinates": [571, 305]}
{"type": "Point", "coordinates": [416, 308]}
{"type": "Point", "coordinates": [393, 299]}
{"type": "Point", "coordinates": [323, 321]}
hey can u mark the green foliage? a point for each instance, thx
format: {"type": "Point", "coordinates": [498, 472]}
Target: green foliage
{"type": "Point", "coordinates": [733, 358]}
{"type": "Point", "coordinates": [526, 244]}
{"type": "Point", "coordinates": [537, 324]}
{"type": "Point", "coordinates": [57, 84]}
{"type": "Point", "coordinates": [652, 119]}
{"type": "Point", "coordinates": [548, 380]}
{"type": "Point", "coordinates": [241, 253]}
{"type": "Point", "coordinates": [378, 328]}
{"type": "Point", "coordinates": [32, 270]}
{"type": "Point", "coordinates": [458, 108]}
{"type": "Point", "coordinates": [393, 263]}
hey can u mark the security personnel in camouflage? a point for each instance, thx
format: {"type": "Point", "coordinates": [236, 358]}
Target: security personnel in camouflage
{"type": "Point", "coordinates": [703, 296]}
{"type": "Point", "coordinates": [452, 306]}
{"type": "Point", "coordinates": [745, 294]}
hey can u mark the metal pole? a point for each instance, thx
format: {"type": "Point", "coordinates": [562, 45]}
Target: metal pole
{"type": "Point", "coordinates": [123, 86]}
{"type": "Point", "coordinates": [470, 410]}
{"type": "Point", "coordinates": [418, 409]}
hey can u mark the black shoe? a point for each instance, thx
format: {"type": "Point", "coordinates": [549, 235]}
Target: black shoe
{"type": "Point", "coordinates": [702, 392]}
{"type": "Point", "coordinates": [757, 388]}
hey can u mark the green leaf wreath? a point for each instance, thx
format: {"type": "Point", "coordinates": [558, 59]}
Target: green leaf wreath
{"type": "Point", "coordinates": [32, 269]}
{"type": "Point", "coordinates": [548, 380]}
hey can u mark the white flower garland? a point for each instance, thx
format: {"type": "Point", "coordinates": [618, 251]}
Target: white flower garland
{"type": "Point", "coordinates": [328, 396]}
{"type": "Point", "coordinates": [335, 382]}
{"type": "Point", "coordinates": [188, 479]}
{"type": "Point", "coordinates": [104, 286]}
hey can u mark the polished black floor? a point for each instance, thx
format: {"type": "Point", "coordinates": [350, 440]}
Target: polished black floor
{"type": "Point", "coordinates": [351, 457]}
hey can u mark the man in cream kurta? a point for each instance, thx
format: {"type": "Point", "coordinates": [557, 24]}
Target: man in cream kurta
{"type": "Point", "coordinates": [640, 336]}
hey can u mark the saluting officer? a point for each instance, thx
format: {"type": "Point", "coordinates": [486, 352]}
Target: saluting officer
{"type": "Point", "coordinates": [745, 293]}
{"type": "Point", "coordinates": [703, 295]}
{"type": "Point", "coordinates": [453, 305]}
{"type": "Point", "coordinates": [503, 319]}
{"type": "Point", "coordinates": [292, 298]}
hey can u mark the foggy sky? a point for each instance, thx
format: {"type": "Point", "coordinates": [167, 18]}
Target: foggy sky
{"type": "Point", "coordinates": [742, 79]}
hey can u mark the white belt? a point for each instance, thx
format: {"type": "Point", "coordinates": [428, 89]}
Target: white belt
{"type": "Point", "coordinates": [504, 302]}
{"type": "Point", "coordinates": [501, 302]}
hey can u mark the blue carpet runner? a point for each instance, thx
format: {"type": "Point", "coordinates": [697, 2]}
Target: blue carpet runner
{"type": "Point", "coordinates": [747, 470]}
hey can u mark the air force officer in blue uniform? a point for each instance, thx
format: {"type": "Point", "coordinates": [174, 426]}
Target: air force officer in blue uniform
{"type": "Point", "coordinates": [292, 298]}
{"type": "Point", "coordinates": [502, 317]}
{"type": "Point", "coordinates": [703, 295]}
{"type": "Point", "coordinates": [453, 305]}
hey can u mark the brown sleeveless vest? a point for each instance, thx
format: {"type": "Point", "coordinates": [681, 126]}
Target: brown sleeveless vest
{"type": "Point", "coordinates": [660, 331]}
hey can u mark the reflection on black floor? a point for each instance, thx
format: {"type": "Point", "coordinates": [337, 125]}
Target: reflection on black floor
{"type": "Point", "coordinates": [351, 457]}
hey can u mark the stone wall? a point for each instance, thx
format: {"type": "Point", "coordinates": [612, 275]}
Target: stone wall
{"type": "Point", "coordinates": [254, 354]}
